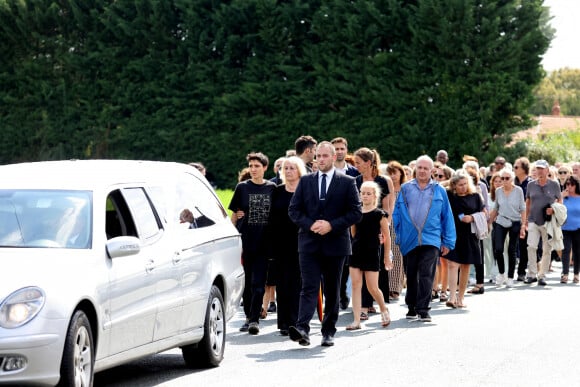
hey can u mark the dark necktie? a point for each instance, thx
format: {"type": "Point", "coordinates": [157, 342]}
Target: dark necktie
{"type": "Point", "coordinates": [323, 187]}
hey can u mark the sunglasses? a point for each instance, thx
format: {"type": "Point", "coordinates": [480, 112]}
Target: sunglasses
{"type": "Point", "coordinates": [439, 176]}
{"type": "Point", "coordinates": [505, 178]}
{"type": "Point", "coordinates": [562, 172]}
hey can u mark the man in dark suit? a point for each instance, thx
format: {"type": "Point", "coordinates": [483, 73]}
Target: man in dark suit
{"type": "Point", "coordinates": [324, 207]}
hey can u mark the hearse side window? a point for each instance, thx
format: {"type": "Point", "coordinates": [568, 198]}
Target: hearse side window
{"type": "Point", "coordinates": [194, 196]}
{"type": "Point", "coordinates": [147, 222]}
{"type": "Point", "coordinates": [119, 221]}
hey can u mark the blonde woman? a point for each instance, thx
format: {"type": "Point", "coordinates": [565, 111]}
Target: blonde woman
{"type": "Point", "coordinates": [465, 201]}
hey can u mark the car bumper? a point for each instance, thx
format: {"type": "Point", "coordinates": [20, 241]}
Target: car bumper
{"type": "Point", "coordinates": [42, 354]}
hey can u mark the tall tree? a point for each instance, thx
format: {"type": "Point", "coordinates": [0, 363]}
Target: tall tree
{"type": "Point", "coordinates": [212, 80]}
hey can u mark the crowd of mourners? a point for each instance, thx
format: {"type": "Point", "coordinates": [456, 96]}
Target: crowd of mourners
{"type": "Point", "coordinates": [329, 217]}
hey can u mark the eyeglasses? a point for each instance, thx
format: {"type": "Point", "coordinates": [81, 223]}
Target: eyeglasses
{"type": "Point", "coordinates": [505, 178]}
{"type": "Point", "coordinates": [562, 172]}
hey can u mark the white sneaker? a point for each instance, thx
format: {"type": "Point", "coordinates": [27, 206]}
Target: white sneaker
{"type": "Point", "coordinates": [509, 283]}
{"type": "Point", "coordinates": [500, 279]}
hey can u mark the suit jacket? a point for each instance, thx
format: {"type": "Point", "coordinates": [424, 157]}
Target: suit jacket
{"type": "Point", "coordinates": [351, 171]}
{"type": "Point", "coordinates": [342, 208]}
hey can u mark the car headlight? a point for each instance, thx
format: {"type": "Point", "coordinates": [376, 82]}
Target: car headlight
{"type": "Point", "coordinates": [20, 307]}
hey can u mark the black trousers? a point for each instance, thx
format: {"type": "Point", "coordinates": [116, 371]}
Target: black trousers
{"type": "Point", "coordinates": [420, 264]}
{"type": "Point", "coordinates": [315, 268]}
{"type": "Point", "coordinates": [255, 282]}
{"type": "Point", "coordinates": [498, 236]}
{"type": "Point", "coordinates": [288, 288]}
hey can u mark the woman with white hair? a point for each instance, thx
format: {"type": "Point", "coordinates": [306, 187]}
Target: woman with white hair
{"type": "Point", "coordinates": [283, 244]}
{"type": "Point", "coordinates": [507, 215]}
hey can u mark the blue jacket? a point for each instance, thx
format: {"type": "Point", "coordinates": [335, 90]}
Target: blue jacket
{"type": "Point", "coordinates": [438, 230]}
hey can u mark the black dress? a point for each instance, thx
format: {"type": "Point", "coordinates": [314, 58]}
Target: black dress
{"type": "Point", "coordinates": [467, 247]}
{"type": "Point", "coordinates": [365, 244]}
{"type": "Point", "coordinates": [282, 238]}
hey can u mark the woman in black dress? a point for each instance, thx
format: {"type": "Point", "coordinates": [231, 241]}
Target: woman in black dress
{"type": "Point", "coordinates": [465, 202]}
{"type": "Point", "coordinates": [283, 239]}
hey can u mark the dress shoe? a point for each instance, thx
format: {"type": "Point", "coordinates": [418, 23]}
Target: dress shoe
{"type": "Point", "coordinates": [253, 328]}
{"type": "Point", "coordinates": [297, 334]}
{"type": "Point", "coordinates": [344, 303]}
{"type": "Point", "coordinates": [327, 341]}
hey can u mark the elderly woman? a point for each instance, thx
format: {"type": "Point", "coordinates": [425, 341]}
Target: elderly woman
{"type": "Point", "coordinates": [507, 216]}
{"type": "Point", "coordinates": [283, 239]}
{"type": "Point", "coordinates": [465, 202]}
{"type": "Point", "coordinates": [563, 172]}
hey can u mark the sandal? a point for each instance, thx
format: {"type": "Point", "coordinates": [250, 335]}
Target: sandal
{"type": "Point", "coordinates": [385, 318]}
{"type": "Point", "coordinates": [443, 297]}
{"type": "Point", "coordinates": [372, 309]}
{"type": "Point", "coordinates": [364, 316]}
{"type": "Point", "coordinates": [352, 327]}
{"type": "Point", "coordinates": [564, 279]}
{"type": "Point", "coordinates": [477, 289]}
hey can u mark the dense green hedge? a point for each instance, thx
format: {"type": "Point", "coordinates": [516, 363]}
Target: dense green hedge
{"type": "Point", "coordinates": [201, 80]}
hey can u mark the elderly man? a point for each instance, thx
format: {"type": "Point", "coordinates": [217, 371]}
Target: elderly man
{"type": "Point", "coordinates": [442, 157]}
{"type": "Point", "coordinates": [424, 230]}
{"type": "Point", "coordinates": [541, 193]}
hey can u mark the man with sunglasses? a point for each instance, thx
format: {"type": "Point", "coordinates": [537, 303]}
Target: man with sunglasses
{"type": "Point", "coordinates": [522, 171]}
{"type": "Point", "coordinates": [540, 195]}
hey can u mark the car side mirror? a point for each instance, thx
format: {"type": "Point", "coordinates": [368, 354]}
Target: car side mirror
{"type": "Point", "coordinates": [123, 246]}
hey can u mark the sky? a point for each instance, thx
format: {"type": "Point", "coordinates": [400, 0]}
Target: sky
{"type": "Point", "coordinates": [563, 51]}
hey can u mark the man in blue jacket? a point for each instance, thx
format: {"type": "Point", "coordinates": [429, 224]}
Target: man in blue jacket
{"type": "Point", "coordinates": [424, 231]}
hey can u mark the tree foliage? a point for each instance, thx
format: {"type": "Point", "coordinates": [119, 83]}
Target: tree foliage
{"type": "Point", "coordinates": [213, 80]}
{"type": "Point", "coordinates": [562, 86]}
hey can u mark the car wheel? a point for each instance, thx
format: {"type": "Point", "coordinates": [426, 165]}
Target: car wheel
{"type": "Point", "coordinates": [210, 350]}
{"type": "Point", "coordinates": [78, 356]}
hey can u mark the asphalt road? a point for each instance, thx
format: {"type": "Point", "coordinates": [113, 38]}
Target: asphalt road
{"type": "Point", "coordinates": [525, 336]}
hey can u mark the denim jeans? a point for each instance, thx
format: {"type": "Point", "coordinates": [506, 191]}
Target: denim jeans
{"type": "Point", "coordinates": [571, 243]}
{"type": "Point", "coordinates": [499, 234]}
